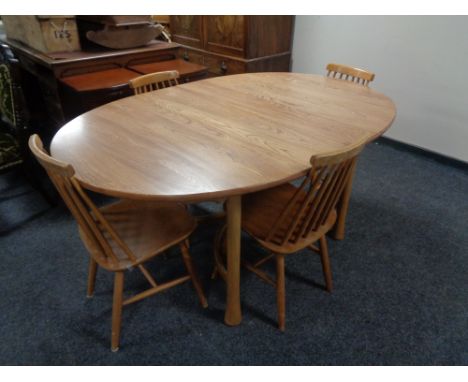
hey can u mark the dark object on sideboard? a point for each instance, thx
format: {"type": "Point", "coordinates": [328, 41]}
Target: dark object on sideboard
{"type": "Point", "coordinates": [44, 33]}
{"type": "Point", "coordinates": [117, 32]}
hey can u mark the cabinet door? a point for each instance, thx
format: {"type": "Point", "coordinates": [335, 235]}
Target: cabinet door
{"type": "Point", "coordinates": [187, 30]}
{"type": "Point", "coordinates": [225, 34]}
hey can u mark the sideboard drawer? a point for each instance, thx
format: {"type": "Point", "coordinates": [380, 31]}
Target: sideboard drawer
{"type": "Point", "coordinates": [191, 56]}
{"type": "Point", "coordinates": [223, 66]}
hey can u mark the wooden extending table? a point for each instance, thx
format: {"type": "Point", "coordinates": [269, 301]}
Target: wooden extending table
{"type": "Point", "coordinates": [220, 138]}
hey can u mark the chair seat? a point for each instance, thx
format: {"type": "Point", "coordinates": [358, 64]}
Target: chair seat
{"type": "Point", "coordinates": [260, 210]}
{"type": "Point", "coordinates": [147, 228]}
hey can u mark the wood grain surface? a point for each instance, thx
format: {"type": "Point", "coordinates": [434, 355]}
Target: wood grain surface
{"type": "Point", "coordinates": [218, 137]}
{"type": "Point", "coordinates": [103, 79]}
{"type": "Point", "coordinates": [185, 68]}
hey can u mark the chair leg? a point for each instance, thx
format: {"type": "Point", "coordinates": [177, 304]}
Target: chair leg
{"type": "Point", "coordinates": [343, 205]}
{"type": "Point", "coordinates": [280, 292]}
{"type": "Point", "coordinates": [214, 274]}
{"type": "Point", "coordinates": [191, 270]}
{"type": "Point", "coordinates": [326, 263]}
{"type": "Point", "coordinates": [92, 270]}
{"type": "Point", "coordinates": [117, 310]}
{"type": "Point", "coordinates": [218, 245]}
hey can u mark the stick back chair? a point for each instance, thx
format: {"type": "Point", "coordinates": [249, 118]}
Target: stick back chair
{"type": "Point", "coordinates": [122, 235]}
{"type": "Point", "coordinates": [361, 77]}
{"type": "Point", "coordinates": [286, 219]}
{"type": "Point", "coordinates": [343, 72]}
{"type": "Point", "coordinates": [154, 81]}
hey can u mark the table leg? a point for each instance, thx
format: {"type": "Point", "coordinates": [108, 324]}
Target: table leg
{"type": "Point", "coordinates": [339, 229]}
{"type": "Point", "coordinates": [233, 315]}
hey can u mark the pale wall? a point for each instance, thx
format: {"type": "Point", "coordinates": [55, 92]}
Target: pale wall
{"type": "Point", "coordinates": [421, 62]}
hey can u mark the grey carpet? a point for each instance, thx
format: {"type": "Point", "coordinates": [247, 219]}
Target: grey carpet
{"type": "Point", "coordinates": [400, 276]}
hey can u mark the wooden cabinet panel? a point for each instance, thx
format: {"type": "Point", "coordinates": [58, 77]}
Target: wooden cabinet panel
{"type": "Point", "coordinates": [269, 35]}
{"type": "Point", "coordinates": [235, 44]}
{"type": "Point", "coordinates": [225, 34]}
{"type": "Point", "coordinates": [187, 30]}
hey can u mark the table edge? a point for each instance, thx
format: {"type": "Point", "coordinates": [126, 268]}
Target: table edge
{"type": "Point", "coordinates": [198, 197]}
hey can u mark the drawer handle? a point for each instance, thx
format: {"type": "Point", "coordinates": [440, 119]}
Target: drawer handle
{"type": "Point", "coordinates": [186, 56]}
{"type": "Point", "coordinates": [223, 67]}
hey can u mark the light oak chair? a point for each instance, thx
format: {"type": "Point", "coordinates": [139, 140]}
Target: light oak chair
{"type": "Point", "coordinates": [348, 73]}
{"type": "Point", "coordinates": [122, 235]}
{"type": "Point", "coordinates": [154, 81]}
{"type": "Point", "coordinates": [361, 77]}
{"type": "Point", "coordinates": [287, 219]}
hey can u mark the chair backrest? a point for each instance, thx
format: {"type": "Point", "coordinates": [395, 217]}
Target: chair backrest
{"type": "Point", "coordinates": [348, 73]}
{"type": "Point", "coordinates": [316, 197]}
{"type": "Point", "coordinates": [154, 81]}
{"type": "Point", "coordinates": [99, 233]}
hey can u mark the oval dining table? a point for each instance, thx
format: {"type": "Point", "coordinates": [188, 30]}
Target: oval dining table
{"type": "Point", "coordinates": [220, 138]}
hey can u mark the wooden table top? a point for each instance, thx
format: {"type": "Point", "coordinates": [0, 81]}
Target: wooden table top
{"type": "Point", "coordinates": [218, 137]}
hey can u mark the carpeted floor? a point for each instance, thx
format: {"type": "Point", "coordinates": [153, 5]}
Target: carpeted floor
{"type": "Point", "coordinates": [400, 276]}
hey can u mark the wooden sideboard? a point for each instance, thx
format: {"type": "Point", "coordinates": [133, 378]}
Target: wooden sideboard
{"type": "Point", "coordinates": [235, 44]}
{"type": "Point", "coordinates": [65, 85]}
{"type": "Point", "coordinates": [70, 83]}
